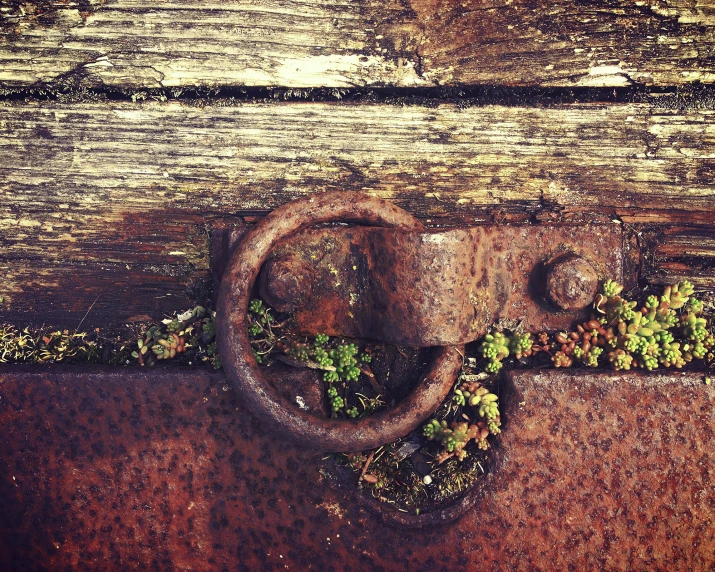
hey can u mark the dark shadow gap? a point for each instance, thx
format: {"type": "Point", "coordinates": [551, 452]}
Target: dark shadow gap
{"type": "Point", "coordinates": [694, 96]}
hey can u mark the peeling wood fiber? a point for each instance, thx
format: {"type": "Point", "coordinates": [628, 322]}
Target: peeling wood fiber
{"type": "Point", "coordinates": [312, 43]}
{"type": "Point", "coordinates": [130, 193]}
{"type": "Point", "coordinates": [87, 160]}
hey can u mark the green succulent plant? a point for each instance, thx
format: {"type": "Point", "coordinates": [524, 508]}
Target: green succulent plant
{"type": "Point", "coordinates": [434, 429]}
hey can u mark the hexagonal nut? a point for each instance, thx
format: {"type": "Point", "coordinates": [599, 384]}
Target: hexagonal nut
{"type": "Point", "coordinates": [571, 282]}
{"type": "Point", "coordinates": [285, 282]}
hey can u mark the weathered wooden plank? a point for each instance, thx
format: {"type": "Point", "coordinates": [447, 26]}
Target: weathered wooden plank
{"type": "Point", "coordinates": [90, 159]}
{"type": "Point", "coordinates": [246, 42]}
{"type": "Point", "coordinates": [107, 296]}
{"type": "Point", "coordinates": [111, 186]}
{"type": "Point", "coordinates": [677, 251]}
{"type": "Point", "coordinates": [346, 43]}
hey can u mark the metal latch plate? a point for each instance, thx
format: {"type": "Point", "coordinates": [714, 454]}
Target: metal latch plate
{"type": "Point", "coordinates": [437, 287]}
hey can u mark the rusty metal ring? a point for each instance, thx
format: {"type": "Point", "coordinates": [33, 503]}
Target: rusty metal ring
{"type": "Point", "coordinates": [237, 355]}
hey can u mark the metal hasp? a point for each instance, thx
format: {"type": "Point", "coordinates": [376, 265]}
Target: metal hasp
{"type": "Point", "coordinates": [399, 283]}
{"type": "Point", "coordinates": [165, 469]}
{"type": "Point", "coordinates": [438, 287]}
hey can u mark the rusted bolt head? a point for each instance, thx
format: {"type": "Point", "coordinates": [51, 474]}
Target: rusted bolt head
{"type": "Point", "coordinates": [571, 282]}
{"type": "Point", "coordinates": [285, 283]}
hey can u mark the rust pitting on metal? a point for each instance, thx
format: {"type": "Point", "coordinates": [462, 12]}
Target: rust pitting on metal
{"type": "Point", "coordinates": [302, 387]}
{"type": "Point", "coordinates": [165, 469]}
{"type": "Point", "coordinates": [571, 282]}
{"type": "Point", "coordinates": [633, 448]}
{"type": "Point", "coordinates": [286, 282]}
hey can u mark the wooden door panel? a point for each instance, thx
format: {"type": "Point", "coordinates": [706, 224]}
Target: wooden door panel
{"type": "Point", "coordinates": [138, 141]}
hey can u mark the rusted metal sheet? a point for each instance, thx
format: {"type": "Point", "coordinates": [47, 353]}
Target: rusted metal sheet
{"type": "Point", "coordinates": [440, 287]}
{"type": "Point", "coordinates": [607, 471]}
{"type": "Point", "coordinates": [165, 470]}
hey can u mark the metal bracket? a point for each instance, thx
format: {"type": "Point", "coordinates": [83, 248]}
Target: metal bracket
{"type": "Point", "coordinates": [440, 287]}
{"type": "Point", "coordinates": [235, 347]}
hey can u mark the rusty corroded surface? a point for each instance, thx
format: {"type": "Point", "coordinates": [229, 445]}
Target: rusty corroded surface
{"type": "Point", "coordinates": [285, 282]}
{"type": "Point", "coordinates": [606, 470]}
{"type": "Point", "coordinates": [571, 282]}
{"type": "Point", "coordinates": [166, 470]}
{"type": "Point", "coordinates": [235, 347]}
{"type": "Point", "coordinates": [442, 287]}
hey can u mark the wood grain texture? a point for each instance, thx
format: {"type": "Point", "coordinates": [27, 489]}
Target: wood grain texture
{"type": "Point", "coordinates": [347, 43]}
{"type": "Point", "coordinates": [138, 188]}
{"type": "Point", "coordinates": [91, 295]}
{"type": "Point", "coordinates": [680, 252]}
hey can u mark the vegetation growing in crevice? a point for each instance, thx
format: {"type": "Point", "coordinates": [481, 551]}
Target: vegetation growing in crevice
{"type": "Point", "coordinates": [669, 330]}
{"type": "Point", "coordinates": [342, 362]}
{"type": "Point", "coordinates": [184, 338]}
{"type": "Point", "coordinates": [44, 345]}
{"type": "Point", "coordinates": [443, 459]}
{"type": "Point", "coordinates": [192, 332]}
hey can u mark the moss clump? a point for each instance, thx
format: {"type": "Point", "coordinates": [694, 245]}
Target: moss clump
{"type": "Point", "coordinates": [49, 346]}
{"type": "Point", "coordinates": [185, 338]}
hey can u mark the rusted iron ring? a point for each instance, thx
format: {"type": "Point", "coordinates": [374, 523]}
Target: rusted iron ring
{"type": "Point", "coordinates": [237, 355]}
